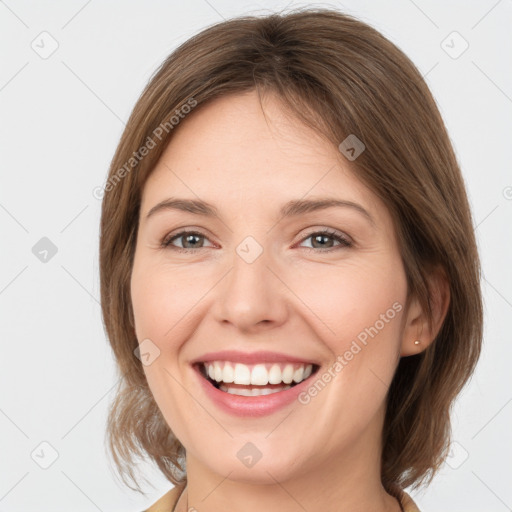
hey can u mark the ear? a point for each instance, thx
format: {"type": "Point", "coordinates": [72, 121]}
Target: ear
{"type": "Point", "coordinates": [416, 326]}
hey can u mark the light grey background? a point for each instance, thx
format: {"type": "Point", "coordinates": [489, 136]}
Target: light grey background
{"type": "Point", "coordinates": [61, 118]}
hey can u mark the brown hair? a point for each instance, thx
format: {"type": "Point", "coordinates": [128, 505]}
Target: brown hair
{"type": "Point", "coordinates": [341, 77]}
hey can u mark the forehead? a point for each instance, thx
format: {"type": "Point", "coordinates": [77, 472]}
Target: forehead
{"type": "Point", "coordinates": [233, 152]}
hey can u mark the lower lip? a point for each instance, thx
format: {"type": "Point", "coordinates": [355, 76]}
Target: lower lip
{"type": "Point", "coordinates": [254, 406]}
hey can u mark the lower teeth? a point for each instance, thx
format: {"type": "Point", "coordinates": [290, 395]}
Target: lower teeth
{"type": "Point", "coordinates": [251, 391]}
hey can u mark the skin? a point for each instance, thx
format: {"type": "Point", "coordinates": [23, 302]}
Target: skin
{"type": "Point", "coordinates": [297, 297]}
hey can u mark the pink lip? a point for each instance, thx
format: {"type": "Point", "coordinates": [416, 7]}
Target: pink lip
{"type": "Point", "coordinates": [251, 357]}
{"type": "Point", "coordinates": [253, 406]}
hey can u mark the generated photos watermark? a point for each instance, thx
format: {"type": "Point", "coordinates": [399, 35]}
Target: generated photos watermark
{"type": "Point", "coordinates": [150, 143]}
{"type": "Point", "coordinates": [343, 360]}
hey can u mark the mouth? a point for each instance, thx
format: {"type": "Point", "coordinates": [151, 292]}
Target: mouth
{"type": "Point", "coordinates": [255, 379]}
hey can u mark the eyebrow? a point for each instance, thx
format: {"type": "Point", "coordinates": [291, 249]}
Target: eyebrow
{"type": "Point", "coordinates": [292, 208]}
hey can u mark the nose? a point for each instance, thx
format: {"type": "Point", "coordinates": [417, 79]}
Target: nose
{"type": "Point", "coordinates": [252, 296]}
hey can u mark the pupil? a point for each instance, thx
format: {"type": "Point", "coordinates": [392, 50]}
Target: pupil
{"type": "Point", "coordinates": [318, 237]}
{"type": "Point", "coordinates": [188, 238]}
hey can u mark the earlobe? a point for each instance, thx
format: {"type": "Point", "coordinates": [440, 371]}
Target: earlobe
{"type": "Point", "coordinates": [418, 332]}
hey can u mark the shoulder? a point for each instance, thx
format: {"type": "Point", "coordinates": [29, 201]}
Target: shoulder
{"type": "Point", "coordinates": [167, 502]}
{"type": "Point", "coordinates": [408, 503]}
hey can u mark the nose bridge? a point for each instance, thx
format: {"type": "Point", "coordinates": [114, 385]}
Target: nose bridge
{"type": "Point", "coordinates": [251, 293]}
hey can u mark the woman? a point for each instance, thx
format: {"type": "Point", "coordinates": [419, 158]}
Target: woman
{"type": "Point", "coordinates": [289, 275]}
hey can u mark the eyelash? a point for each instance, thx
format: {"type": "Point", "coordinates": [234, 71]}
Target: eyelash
{"type": "Point", "coordinates": [166, 242]}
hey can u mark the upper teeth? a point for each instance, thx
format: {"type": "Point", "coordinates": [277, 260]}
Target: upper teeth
{"type": "Point", "coordinates": [259, 374]}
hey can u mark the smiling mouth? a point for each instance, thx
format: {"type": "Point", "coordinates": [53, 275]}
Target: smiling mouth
{"type": "Point", "coordinates": [257, 379]}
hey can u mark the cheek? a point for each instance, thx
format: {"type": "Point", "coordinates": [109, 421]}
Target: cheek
{"type": "Point", "coordinates": [160, 306]}
{"type": "Point", "coordinates": [364, 308]}
{"type": "Point", "coordinates": [349, 299]}
{"type": "Point", "coordinates": [161, 300]}
{"type": "Point", "coordinates": [172, 400]}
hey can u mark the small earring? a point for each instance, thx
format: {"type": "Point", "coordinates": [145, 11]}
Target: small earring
{"type": "Point", "coordinates": [417, 342]}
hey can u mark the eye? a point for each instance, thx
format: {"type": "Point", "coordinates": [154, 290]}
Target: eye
{"type": "Point", "coordinates": [188, 238]}
{"type": "Point", "coordinates": [319, 237]}
{"type": "Point", "coordinates": [191, 241]}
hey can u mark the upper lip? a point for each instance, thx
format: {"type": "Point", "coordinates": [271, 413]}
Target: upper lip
{"type": "Point", "coordinates": [262, 356]}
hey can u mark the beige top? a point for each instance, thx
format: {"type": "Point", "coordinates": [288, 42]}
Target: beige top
{"type": "Point", "coordinates": [176, 501]}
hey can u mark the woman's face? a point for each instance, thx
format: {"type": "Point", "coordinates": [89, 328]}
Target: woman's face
{"type": "Point", "coordinates": [268, 296]}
